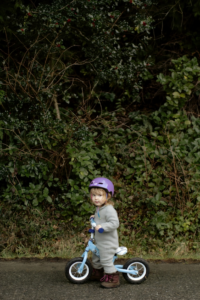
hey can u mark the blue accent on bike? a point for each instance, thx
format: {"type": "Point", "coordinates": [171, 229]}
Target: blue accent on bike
{"type": "Point", "coordinates": [101, 230]}
{"type": "Point", "coordinates": [92, 222]}
{"type": "Point", "coordinates": [93, 248]}
{"type": "Point", "coordinates": [120, 269]}
{"type": "Point", "coordinates": [91, 230]}
{"type": "Point", "coordinates": [114, 258]}
{"type": "Point", "coordinates": [84, 255]}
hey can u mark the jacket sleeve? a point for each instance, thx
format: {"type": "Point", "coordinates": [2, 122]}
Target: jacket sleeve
{"type": "Point", "coordinates": [112, 220]}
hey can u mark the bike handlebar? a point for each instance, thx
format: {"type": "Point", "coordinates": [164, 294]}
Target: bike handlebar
{"type": "Point", "coordinates": [100, 230]}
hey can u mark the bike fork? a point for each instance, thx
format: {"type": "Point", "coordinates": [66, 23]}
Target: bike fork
{"type": "Point", "coordinates": [81, 267]}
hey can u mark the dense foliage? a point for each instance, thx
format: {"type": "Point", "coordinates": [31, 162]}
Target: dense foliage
{"type": "Point", "coordinates": [85, 92]}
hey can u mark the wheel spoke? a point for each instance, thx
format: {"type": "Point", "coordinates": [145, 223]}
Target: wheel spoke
{"type": "Point", "coordinates": [74, 273]}
{"type": "Point", "coordinates": [139, 267]}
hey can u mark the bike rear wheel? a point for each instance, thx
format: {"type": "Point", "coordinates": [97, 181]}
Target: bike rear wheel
{"type": "Point", "coordinates": [137, 264]}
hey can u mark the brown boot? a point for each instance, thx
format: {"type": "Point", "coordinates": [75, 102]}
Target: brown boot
{"type": "Point", "coordinates": [110, 280]}
{"type": "Point", "coordinates": [96, 274]}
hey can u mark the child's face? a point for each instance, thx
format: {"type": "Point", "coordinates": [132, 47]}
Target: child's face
{"type": "Point", "coordinates": [98, 197]}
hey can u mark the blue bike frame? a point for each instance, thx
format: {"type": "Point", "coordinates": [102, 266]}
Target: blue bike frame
{"type": "Point", "coordinates": [95, 250]}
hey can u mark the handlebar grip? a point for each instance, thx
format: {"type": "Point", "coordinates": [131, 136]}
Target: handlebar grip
{"type": "Point", "coordinates": [101, 230]}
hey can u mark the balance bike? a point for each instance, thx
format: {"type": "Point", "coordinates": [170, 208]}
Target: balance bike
{"type": "Point", "coordinates": [79, 270]}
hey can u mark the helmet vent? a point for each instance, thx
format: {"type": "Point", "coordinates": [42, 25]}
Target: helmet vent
{"type": "Point", "coordinates": [100, 183]}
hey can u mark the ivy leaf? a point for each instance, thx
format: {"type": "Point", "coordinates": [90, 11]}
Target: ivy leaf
{"type": "Point", "coordinates": [35, 202]}
{"type": "Point", "coordinates": [45, 192]}
{"type": "Point", "coordinates": [49, 199]}
{"type": "Point", "coordinates": [176, 95]}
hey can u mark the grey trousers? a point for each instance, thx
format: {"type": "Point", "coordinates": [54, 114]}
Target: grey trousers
{"type": "Point", "coordinates": [105, 261]}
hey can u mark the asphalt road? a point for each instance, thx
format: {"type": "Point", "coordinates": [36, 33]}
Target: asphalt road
{"type": "Point", "coordinates": [25, 280]}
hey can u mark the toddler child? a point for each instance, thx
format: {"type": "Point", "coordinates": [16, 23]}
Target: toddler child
{"type": "Point", "coordinates": [101, 190]}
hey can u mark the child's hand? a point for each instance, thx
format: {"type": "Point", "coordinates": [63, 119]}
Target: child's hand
{"type": "Point", "coordinates": [92, 216]}
{"type": "Point", "coordinates": [97, 227]}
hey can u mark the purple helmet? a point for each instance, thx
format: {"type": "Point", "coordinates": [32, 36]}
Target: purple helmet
{"type": "Point", "coordinates": [103, 183]}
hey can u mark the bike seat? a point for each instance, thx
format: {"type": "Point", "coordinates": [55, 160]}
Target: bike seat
{"type": "Point", "coordinates": [121, 251]}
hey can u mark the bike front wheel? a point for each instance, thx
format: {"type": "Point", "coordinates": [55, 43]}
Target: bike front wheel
{"type": "Point", "coordinates": [71, 270]}
{"type": "Point", "coordinates": [141, 266]}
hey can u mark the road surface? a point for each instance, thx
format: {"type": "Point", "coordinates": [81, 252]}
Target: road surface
{"type": "Point", "coordinates": [45, 280]}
